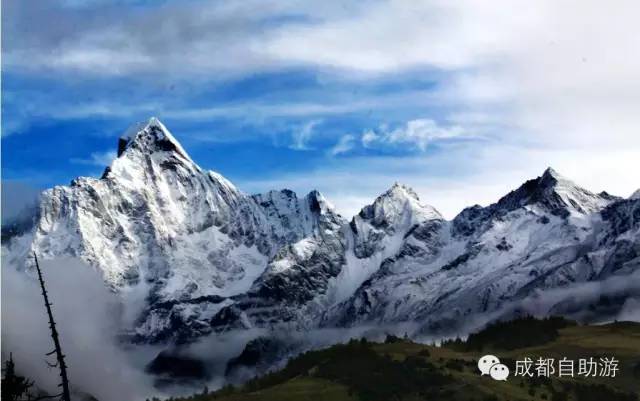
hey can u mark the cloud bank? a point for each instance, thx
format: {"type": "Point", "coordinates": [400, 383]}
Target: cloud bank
{"type": "Point", "coordinates": [88, 319]}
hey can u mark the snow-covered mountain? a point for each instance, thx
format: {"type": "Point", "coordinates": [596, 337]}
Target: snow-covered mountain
{"type": "Point", "coordinates": [211, 258]}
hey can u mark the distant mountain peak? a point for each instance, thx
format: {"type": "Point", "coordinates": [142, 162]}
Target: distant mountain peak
{"type": "Point", "coordinates": [398, 190]}
{"type": "Point", "coordinates": [399, 205]}
{"type": "Point", "coordinates": [550, 178]}
{"type": "Point", "coordinates": [551, 173]}
{"type": "Point", "coordinates": [556, 193]}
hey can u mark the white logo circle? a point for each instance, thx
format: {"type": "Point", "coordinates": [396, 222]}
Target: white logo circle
{"type": "Point", "coordinates": [499, 372]}
{"type": "Point", "coordinates": [486, 362]}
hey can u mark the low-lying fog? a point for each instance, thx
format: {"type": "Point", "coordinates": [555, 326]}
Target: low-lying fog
{"type": "Point", "coordinates": [90, 319]}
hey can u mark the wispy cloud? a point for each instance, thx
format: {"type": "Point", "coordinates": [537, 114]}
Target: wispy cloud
{"type": "Point", "coordinates": [344, 144]}
{"type": "Point", "coordinates": [100, 159]}
{"type": "Point", "coordinates": [419, 133]}
{"type": "Point", "coordinates": [132, 108]}
{"type": "Point", "coordinates": [301, 137]}
{"type": "Point", "coordinates": [311, 106]}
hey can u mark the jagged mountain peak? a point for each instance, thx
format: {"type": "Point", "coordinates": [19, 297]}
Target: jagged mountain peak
{"type": "Point", "coordinates": [550, 178]}
{"type": "Point", "coordinates": [399, 205]}
{"type": "Point", "coordinates": [548, 193]}
{"type": "Point", "coordinates": [635, 195]}
{"type": "Point", "coordinates": [145, 145]}
{"type": "Point", "coordinates": [150, 137]}
{"type": "Point", "coordinates": [550, 172]}
{"type": "Point", "coordinates": [555, 193]}
{"type": "Point", "coordinates": [401, 191]}
{"type": "Point", "coordinates": [400, 194]}
{"type": "Point", "coordinates": [281, 203]}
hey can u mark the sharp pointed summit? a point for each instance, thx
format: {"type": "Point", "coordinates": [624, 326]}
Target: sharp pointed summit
{"type": "Point", "coordinates": [392, 215]}
{"type": "Point", "coordinates": [150, 137]}
{"type": "Point", "coordinates": [398, 204]}
{"type": "Point", "coordinates": [555, 193]}
{"type": "Point", "coordinates": [550, 172]}
{"type": "Point", "coordinates": [148, 150]}
{"type": "Point", "coordinates": [399, 190]}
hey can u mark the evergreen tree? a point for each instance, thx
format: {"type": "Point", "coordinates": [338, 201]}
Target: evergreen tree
{"type": "Point", "coordinates": [14, 387]}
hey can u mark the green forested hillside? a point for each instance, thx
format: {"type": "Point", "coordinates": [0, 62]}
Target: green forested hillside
{"type": "Point", "coordinates": [403, 370]}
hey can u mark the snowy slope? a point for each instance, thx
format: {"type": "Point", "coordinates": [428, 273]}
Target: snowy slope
{"type": "Point", "coordinates": [549, 233]}
{"type": "Point", "coordinates": [211, 258]}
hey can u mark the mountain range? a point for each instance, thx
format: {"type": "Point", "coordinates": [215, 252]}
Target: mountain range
{"type": "Point", "coordinates": [209, 258]}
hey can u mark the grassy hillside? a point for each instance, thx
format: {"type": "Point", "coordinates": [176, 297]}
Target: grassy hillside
{"type": "Point", "coordinates": [402, 370]}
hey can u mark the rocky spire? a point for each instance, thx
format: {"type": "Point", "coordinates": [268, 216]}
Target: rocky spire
{"type": "Point", "coordinates": [149, 138]}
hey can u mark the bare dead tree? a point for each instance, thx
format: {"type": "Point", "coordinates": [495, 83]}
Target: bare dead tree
{"type": "Point", "coordinates": [65, 395]}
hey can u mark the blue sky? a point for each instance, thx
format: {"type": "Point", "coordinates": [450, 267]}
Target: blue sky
{"type": "Point", "coordinates": [461, 101]}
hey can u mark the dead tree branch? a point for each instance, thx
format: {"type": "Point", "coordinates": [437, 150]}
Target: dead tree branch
{"type": "Point", "coordinates": [66, 395]}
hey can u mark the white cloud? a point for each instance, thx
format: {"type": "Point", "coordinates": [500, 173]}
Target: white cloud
{"type": "Point", "coordinates": [547, 71]}
{"type": "Point", "coordinates": [89, 320]}
{"type": "Point", "coordinates": [344, 144]}
{"type": "Point", "coordinates": [368, 138]}
{"type": "Point", "coordinates": [418, 133]}
{"type": "Point", "coordinates": [246, 36]}
{"type": "Point", "coordinates": [302, 136]}
{"type": "Point", "coordinates": [306, 108]}
{"type": "Point", "coordinates": [19, 201]}
{"type": "Point", "coordinates": [386, 36]}
{"type": "Point", "coordinates": [553, 76]}
{"type": "Point", "coordinates": [201, 38]}
{"type": "Point", "coordinates": [101, 159]}
{"type": "Point", "coordinates": [41, 106]}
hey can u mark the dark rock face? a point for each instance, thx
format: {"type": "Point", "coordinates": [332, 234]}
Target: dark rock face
{"type": "Point", "coordinates": [18, 227]}
{"type": "Point", "coordinates": [122, 145]}
{"type": "Point", "coordinates": [622, 216]}
{"type": "Point", "coordinates": [259, 354]}
{"type": "Point", "coordinates": [461, 259]}
{"type": "Point", "coordinates": [469, 219]}
{"type": "Point", "coordinates": [172, 368]}
{"type": "Point", "coordinates": [504, 245]}
{"type": "Point", "coordinates": [229, 318]}
{"type": "Point", "coordinates": [177, 329]}
{"type": "Point", "coordinates": [304, 280]}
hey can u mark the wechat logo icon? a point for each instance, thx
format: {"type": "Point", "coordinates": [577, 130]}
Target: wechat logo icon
{"type": "Point", "coordinates": [490, 365]}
